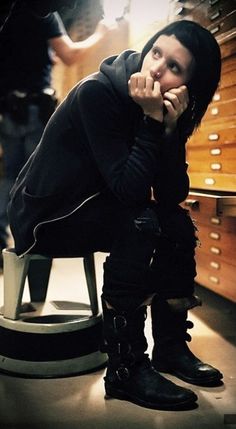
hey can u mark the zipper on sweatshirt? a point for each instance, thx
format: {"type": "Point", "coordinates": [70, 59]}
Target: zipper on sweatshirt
{"type": "Point", "coordinates": [55, 220]}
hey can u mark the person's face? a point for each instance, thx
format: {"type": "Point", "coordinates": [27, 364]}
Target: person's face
{"type": "Point", "coordinates": [169, 62]}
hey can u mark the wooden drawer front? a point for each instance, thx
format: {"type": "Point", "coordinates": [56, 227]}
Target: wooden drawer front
{"type": "Point", "coordinates": [215, 243]}
{"type": "Point", "coordinates": [208, 15]}
{"type": "Point", "coordinates": [219, 159]}
{"type": "Point", "coordinates": [220, 110]}
{"type": "Point", "coordinates": [227, 46]}
{"type": "Point", "coordinates": [212, 154]}
{"type": "Point", "coordinates": [213, 181]}
{"type": "Point", "coordinates": [207, 210]}
{"type": "Point", "coordinates": [215, 274]}
{"type": "Point", "coordinates": [228, 64]}
{"type": "Point", "coordinates": [228, 79]}
{"type": "Point", "coordinates": [224, 94]}
{"type": "Point", "coordinates": [214, 134]}
{"type": "Point", "coordinates": [220, 9]}
{"type": "Point", "coordinates": [204, 12]}
{"type": "Point", "coordinates": [223, 25]}
{"type": "Point", "coordinates": [224, 100]}
{"type": "Point", "coordinates": [228, 72]}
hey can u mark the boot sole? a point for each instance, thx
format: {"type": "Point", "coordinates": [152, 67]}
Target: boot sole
{"type": "Point", "coordinates": [120, 394]}
{"type": "Point", "coordinates": [206, 382]}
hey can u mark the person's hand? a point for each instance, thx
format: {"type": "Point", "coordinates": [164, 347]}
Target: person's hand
{"type": "Point", "coordinates": [104, 27]}
{"type": "Point", "coordinates": [176, 101]}
{"type": "Point", "coordinates": [145, 92]}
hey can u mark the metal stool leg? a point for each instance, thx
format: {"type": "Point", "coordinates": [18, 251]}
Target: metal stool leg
{"type": "Point", "coordinates": [15, 272]}
{"type": "Point", "coordinates": [90, 273]}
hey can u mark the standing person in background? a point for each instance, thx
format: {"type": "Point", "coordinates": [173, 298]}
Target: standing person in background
{"type": "Point", "coordinates": [118, 142]}
{"type": "Point", "coordinates": [31, 31]}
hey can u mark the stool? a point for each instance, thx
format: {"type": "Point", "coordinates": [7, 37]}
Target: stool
{"type": "Point", "coordinates": [42, 339]}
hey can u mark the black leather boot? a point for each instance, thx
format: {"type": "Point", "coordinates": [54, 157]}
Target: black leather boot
{"type": "Point", "coordinates": [130, 375]}
{"type": "Point", "coordinates": [171, 353]}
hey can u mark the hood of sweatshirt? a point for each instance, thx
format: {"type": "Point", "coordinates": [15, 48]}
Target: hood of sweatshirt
{"type": "Point", "coordinates": [118, 69]}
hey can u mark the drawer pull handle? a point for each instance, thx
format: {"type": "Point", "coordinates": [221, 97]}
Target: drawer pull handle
{"type": "Point", "coordinates": [217, 96]}
{"type": "Point", "coordinates": [215, 15]}
{"type": "Point", "coordinates": [215, 250]}
{"type": "Point", "coordinates": [214, 235]}
{"type": "Point", "coordinates": [214, 111]}
{"type": "Point", "coordinates": [213, 137]}
{"type": "Point", "coordinates": [215, 29]}
{"type": "Point", "coordinates": [216, 166]}
{"type": "Point", "coordinates": [215, 220]}
{"type": "Point", "coordinates": [194, 204]}
{"type": "Point", "coordinates": [215, 151]}
{"type": "Point", "coordinates": [214, 279]}
{"type": "Point", "coordinates": [212, 2]}
{"type": "Point", "coordinates": [209, 181]}
{"type": "Point", "coordinates": [215, 265]}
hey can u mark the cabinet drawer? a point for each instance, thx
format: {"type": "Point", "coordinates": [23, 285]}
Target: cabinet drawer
{"type": "Point", "coordinates": [227, 45]}
{"type": "Point", "coordinates": [224, 94]}
{"type": "Point", "coordinates": [216, 275]}
{"type": "Point", "coordinates": [214, 133]}
{"type": "Point", "coordinates": [228, 79]}
{"type": "Point", "coordinates": [218, 159]}
{"type": "Point", "coordinates": [206, 13]}
{"type": "Point", "coordinates": [220, 110]}
{"type": "Point", "coordinates": [220, 9]}
{"type": "Point", "coordinates": [228, 72]}
{"type": "Point", "coordinates": [212, 154]}
{"type": "Point", "coordinates": [224, 25]}
{"type": "Point", "coordinates": [213, 181]}
{"type": "Point", "coordinates": [213, 210]}
{"type": "Point", "coordinates": [221, 244]}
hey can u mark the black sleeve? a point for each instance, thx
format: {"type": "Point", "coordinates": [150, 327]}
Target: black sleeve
{"type": "Point", "coordinates": [128, 168]}
{"type": "Point", "coordinates": [53, 26]}
{"type": "Point", "coordinates": [171, 184]}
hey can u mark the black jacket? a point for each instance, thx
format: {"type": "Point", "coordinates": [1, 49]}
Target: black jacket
{"type": "Point", "coordinates": [97, 139]}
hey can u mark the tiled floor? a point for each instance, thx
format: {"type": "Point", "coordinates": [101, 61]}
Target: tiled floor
{"type": "Point", "coordinates": [78, 402]}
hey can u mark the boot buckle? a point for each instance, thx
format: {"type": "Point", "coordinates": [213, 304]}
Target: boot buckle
{"type": "Point", "coordinates": [119, 322]}
{"type": "Point", "coordinates": [123, 349]}
{"type": "Point", "coordinates": [122, 373]}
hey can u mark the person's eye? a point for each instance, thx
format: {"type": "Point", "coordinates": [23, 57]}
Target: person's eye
{"type": "Point", "coordinates": [156, 52]}
{"type": "Point", "coordinates": [174, 67]}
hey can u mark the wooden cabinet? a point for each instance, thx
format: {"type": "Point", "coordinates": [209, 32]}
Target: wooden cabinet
{"type": "Point", "coordinates": [215, 218]}
{"type": "Point", "coordinates": [211, 154]}
{"type": "Point", "coordinates": [212, 149]}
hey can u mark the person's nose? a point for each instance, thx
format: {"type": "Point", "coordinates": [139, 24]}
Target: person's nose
{"type": "Point", "coordinates": [157, 69]}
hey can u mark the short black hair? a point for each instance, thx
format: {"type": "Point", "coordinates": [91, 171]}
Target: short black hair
{"type": "Point", "coordinates": [206, 76]}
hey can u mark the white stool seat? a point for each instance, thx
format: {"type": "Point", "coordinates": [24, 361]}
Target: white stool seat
{"type": "Point", "coordinates": [47, 339]}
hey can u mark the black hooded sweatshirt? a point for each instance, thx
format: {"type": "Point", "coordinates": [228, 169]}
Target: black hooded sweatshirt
{"type": "Point", "coordinates": [97, 140]}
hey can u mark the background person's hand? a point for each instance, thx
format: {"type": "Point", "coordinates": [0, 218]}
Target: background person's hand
{"type": "Point", "coordinates": [104, 27]}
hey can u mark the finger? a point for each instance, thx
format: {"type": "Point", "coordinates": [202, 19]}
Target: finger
{"type": "Point", "coordinates": [179, 98]}
{"type": "Point", "coordinates": [149, 84]}
{"type": "Point", "coordinates": [141, 82]}
{"type": "Point", "coordinates": [173, 99]}
{"type": "Point", "coordinates": [157, 88]}
{"type": "Point", "coordinates": [133, 83]}
{"type": "Point", "coordinates": [182, 93]}
{"type": "Point", "coordinates": [169, 107]}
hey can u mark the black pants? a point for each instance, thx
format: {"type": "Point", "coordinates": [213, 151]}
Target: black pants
{"type": "Point", "coordinates": [150, 251]}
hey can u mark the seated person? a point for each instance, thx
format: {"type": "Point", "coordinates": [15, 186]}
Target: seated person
{"type": "Point", "coordinates": [108, 175]}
